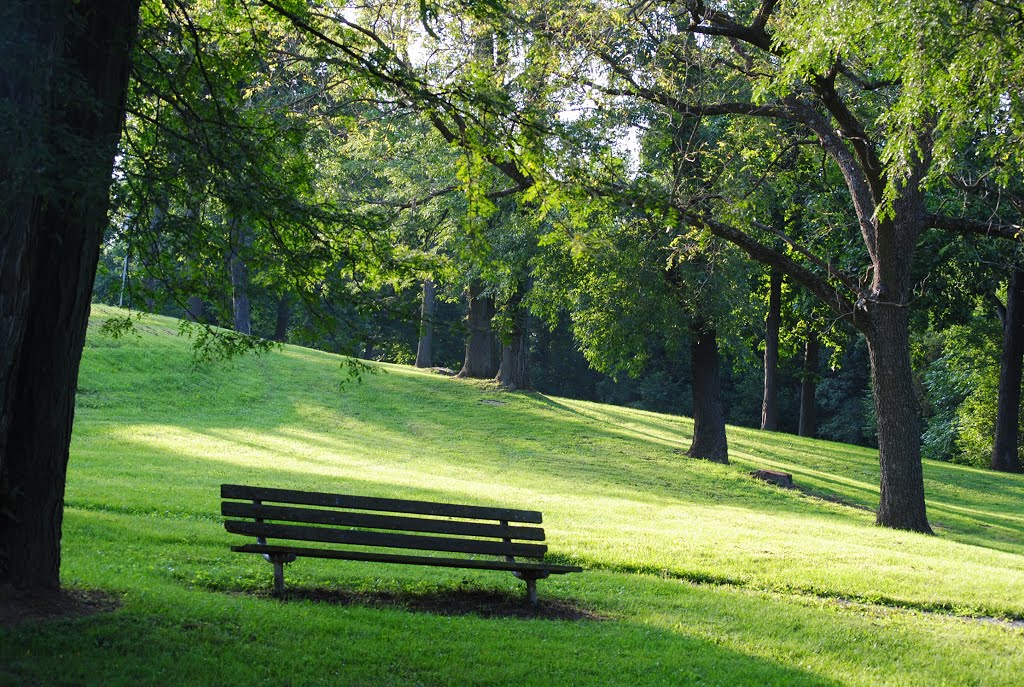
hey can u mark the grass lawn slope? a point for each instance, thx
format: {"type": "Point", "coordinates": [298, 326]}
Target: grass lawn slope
{"type": "Point", "coordinates": [695, 573]}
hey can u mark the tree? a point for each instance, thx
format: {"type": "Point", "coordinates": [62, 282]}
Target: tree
{"type": "Point", "coordinates": [868, 93]}
{"type": "Point", "coordinates": [65, 72]}
{"type": "Point", "coordinates": [1005, 456]}
{"type": "Point", "coordinates": [770, 406]}
{"type": "Point", "coordinates": [481, 361]}
{"type": "Point", "coordinates": [424, 348]}
{"type": "Point", "coordinates": [808, 384]}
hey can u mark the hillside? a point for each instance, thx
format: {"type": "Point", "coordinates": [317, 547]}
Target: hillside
{"type": "Point", "coordinates": [695, 573]}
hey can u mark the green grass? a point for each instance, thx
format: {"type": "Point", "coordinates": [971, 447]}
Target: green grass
{"type": "Point", "coordinates": [702, 575]}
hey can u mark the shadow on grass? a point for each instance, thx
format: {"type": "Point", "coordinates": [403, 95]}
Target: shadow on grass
{"type": "Point", "coordinates": [483, 603]}
{"type": "Point", "coordinates": [248, 642]}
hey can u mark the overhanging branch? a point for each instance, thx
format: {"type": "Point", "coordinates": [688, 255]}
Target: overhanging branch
{"type": "Point", "coordinates": [963, 225]}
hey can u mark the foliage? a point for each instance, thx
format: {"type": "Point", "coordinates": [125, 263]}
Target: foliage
{"type": "Point", "coordinates": [963, 387]}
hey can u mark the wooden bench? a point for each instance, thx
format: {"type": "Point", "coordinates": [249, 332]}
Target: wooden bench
{"type": "Point", "coordinates": [358, 535]}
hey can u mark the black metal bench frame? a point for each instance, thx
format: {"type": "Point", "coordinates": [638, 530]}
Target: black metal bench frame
{"type": "Point", "coordinates": [365, 524]}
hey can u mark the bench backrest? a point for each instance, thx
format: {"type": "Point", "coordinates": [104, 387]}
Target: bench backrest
{"type": "Point", "coordinates": [371, 521]}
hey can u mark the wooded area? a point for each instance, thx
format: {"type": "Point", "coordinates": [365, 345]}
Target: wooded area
{"type": "Point", "coordinates": [798, 216]}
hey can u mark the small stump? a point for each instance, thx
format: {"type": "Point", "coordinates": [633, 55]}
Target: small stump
{"type": "Point", "coordinates": [781, 479]}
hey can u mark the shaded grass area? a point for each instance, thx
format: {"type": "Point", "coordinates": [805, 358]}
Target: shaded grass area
{"type": "Point", "coordinates": [778, 569]}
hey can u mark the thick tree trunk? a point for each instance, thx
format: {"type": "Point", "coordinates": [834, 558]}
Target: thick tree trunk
{"type": "Point", "coordinates": [808, 388]}
{"type": "Point", "coordinates": [1004, 449]}
{"type": "Point", "coordinates": [514, 370]}
{"type": "Point", "coordinates": [709, 440]}
{"type": "Point", "coordinates": [75, 66]}
{"type": "Point", "coordinates": [770, 402]}
{"type": "Point", "coordinates": [883, 316]}
{"type": "Point", "coordinates": [481, 355]}
{"type": "Point", "coordinates": [901, 502]}
{"type": "Point", "coordinates": [283, 318]}
{"type": "Point", "coordinates": [425, 347]}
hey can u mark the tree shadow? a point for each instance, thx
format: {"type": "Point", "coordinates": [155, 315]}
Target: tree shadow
{"type": "Point", "coordinates": [302, 642]}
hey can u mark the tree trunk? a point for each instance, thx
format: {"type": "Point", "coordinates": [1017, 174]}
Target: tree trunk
{"type": "Point", "coordinates": [425, 347]}
{"type": "Point", "coordinates": [283, 317]}
{"type": "Point", "coordinates": [65, 73]}
{"type": "Point", "coordinates": [240, 295]}
{"type": "Point", "coordinates": [883, 316]}
{"type": "Point", "coordinates": [770, 403]}
{"type": "Point", "coordinates": [709, 440]}
{"type": "Point", "coordinates": [514, 370]}
{"type": "Point", "coordinates": [240, 280]}
{"type": "Point", "coordinates": [481, 360]}
{"type": "Point", "coordinates": [1004, 449]}
{"type": "Point", "coordinates": [901, 500]}
{"type": "Point", "coordinates": [808, 388]}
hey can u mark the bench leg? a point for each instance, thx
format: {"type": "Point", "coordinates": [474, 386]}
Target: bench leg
{"type": "Point", "coordinates": [531, 590]}
{"type": "Point", "coordinates": [278, 576]}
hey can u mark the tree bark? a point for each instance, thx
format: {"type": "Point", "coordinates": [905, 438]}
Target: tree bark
{"type": "Point", "coordinates": [709, 440]}
{"type": "Point", "coordinates": [770, 402]}
{"type": "Point", "coordinates": [68, 94]}
{"type": "Point", "coordinates": [1005, 457]}
{"type": "Point", "coordinates": [514, 370]}
{"type": "Point", "coordinates": [283, 318]}
{"type": "Point", "coordinates": [481, 360]}
{"type": "Point", "coordinates": [901, 503]}
{"type": "Point", "coordinates": [808, 388]}
{"type": "Point", "coordinates": [425, 347]}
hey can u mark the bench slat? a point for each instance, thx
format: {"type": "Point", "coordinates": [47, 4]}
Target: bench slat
{"type": "Point", "coordinates": [238, 509]}
{"type": "Point", "coordinates": [413, 560]}
{"type": "Point", "coordinates": [397, 541]}
{"type": "Point", "coordinates": [313, 498]}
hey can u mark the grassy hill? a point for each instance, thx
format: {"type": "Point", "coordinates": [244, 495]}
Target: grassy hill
{"type": "Point", "coordinates": [695, 573]}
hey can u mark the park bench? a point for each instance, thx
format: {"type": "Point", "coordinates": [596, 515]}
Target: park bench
{"type": "Point", "coordinates": [363, 528]}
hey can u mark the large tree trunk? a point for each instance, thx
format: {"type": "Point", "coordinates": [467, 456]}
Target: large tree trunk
{"type": "Point", "coordinates": [481, 355]}
{"type": "Point", "coordinates": [65, 73]}
{"type": "Point", "coordinates": [425, 347]}
{"type": "Point", "coordinates": [514, 370]}
{"type": "Point", "coordinates": [770, 402]}
{"type": "Point", "coordinates": [901, 503]}
{"type": "Point", "coordinates": [1004, 450]}
{"type": "Point", "coordinates": [808, 388]}
{"type": "Point", "coordinates": [708, 415]}
{"type": "Point", "coordinates": [884, 319]}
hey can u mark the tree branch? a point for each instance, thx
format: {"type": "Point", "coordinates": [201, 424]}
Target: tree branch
{"type": "Point", "coordinates": [843, 279]}
{"type": "Point", "coordinates": [964, 225]}
{"type": "Point", "coordinates": [843, 307]}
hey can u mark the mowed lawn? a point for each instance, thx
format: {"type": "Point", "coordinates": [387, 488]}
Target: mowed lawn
{"type": "Point", "coordinates": [695, 573]}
